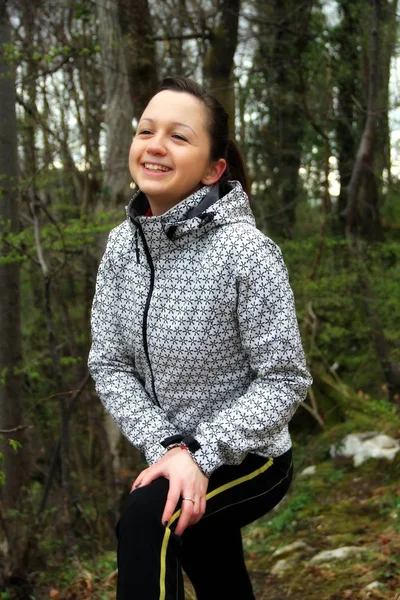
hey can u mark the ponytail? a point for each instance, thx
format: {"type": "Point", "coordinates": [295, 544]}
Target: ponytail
{"type": "Point", "coordinates": [235, 167]}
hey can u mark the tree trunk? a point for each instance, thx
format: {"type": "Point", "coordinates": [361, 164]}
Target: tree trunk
{"type": "Point", "coordinates": [363, 172]}
{"type": "Point", "coordinates": [382, 160]}
{"type": "Point", "coordinates": [119, 105]}
{"type": "Point", "coordinates": [140, 52]}
{"type": "Point", "coordinates": [364, 146]}
{"type": "Point", "coordinates": [176, 35]}
{"type": "Point", "coordinates": [281, 53]}
{"type": "Point", "coordinates": [15, 464]}
{"type": "Point", "coordinates": [347, 73]}
{"type": "Point", "coordinates": [219, 59]}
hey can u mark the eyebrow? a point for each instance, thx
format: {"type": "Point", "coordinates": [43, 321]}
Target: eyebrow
{"type": "Point", "coordinates": [174, 124]}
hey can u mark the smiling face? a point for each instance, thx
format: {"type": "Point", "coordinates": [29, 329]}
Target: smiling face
{"type": "Point", "coordinates": [170, 153]}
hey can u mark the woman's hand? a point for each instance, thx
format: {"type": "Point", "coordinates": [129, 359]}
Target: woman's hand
{"type": "Point", "coordinates": [185, 481]}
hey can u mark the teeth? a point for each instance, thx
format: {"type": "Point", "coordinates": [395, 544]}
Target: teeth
{"type": "Point", "coordinates": [155, 167]}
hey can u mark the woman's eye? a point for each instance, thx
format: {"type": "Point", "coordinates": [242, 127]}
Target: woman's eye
{"type": "Point", "coordinates": [178, 136]}
{"type": "Point", "coordinates": [144, 132]}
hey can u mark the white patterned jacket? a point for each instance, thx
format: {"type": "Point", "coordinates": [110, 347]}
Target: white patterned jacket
{"type": "Point", "coordinates": [194, 331]}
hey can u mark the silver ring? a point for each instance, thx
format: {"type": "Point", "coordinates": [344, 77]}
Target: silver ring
{"type": "Point", "coordinates": [191, 499]}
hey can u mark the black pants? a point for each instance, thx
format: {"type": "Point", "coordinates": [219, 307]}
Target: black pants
{"type": "Point", "coordinates": [150, 556]}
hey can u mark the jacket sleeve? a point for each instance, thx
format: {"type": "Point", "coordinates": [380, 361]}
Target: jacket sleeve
{"type": "Point", "coordinates": [270, 338]}
{"type": "Point", "coordinates": [111, 365]}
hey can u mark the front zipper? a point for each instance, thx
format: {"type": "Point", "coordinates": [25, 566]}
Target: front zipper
{"type": "Point", "coordinates": [147, 306]}
{"type": "Point", "coordinates": [137, 247]}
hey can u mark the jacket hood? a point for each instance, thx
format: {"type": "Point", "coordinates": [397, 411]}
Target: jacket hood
{"type": "Point", "coordinates": [195, 215]}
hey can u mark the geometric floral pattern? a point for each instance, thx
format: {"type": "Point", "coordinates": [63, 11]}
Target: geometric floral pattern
{"type": "Point", "coordinates": [194, 331]}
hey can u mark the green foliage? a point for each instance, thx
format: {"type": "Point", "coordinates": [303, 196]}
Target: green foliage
{"type": "Point", "coordinates": [82, 9]}
{"type": "Point", "coordinates": [391, 208]}
{"type": "Point", "coordinates": [12, 53]}
{"type": "Point", "coordinates": [296, 508]}
{"type": "Point", "coordinates": [15, 444]}
{"type": "Point", "coordinates": [73, 573]}
{"type": "Point", "coordinates": [342, 311]}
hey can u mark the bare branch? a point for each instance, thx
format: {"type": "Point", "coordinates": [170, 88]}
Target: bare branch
{"type": "Point", "coordinates": [185, 36]}
{"type": "Point", "coordinates": [57, 450]}
{"type": "Point", "coordinates": [39, 249]}
{"type": "Point", "coordinates": [15, 429]}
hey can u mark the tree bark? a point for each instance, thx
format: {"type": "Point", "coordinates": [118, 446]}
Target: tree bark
{"type": "Point", "coordinates": [280, 53]}
{"type": "Point", "coordinates": [364, 147]}
{"type": "Point", "coordinates": [347, 73]}
{"type": "Point", "coordinates": [137, 33]}
{"type": "Point", "coordinates": [119, 105]}
{"type": "Point", "coordinates": [382, 157]}
{"type": "Point", "coordinates": [363, 169]}
{"type": "Point", "coordinates": [219, 59]}
{"type": "Point", "coordinates": [363, 166]}
{"type": "Point", "coordinates": [15, 463]}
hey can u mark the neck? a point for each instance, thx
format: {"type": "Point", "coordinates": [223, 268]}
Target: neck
{"type": "Point", "coordinates": [160, 205]}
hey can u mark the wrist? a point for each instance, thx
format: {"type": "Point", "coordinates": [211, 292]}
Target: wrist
{"type": "Point", "coordinates": [181, 440]}
{"type": "Point", "coordinates": [187, 443]}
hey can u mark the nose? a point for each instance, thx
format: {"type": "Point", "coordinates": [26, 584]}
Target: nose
{"type": "Point", "coordinates": [156, 146]}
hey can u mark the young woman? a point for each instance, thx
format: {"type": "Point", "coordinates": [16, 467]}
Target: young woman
{"type": "Point", "coordinates": [196, 354]}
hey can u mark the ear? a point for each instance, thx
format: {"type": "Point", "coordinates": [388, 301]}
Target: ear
{"type": "Point", "coordinates": [214, 171]}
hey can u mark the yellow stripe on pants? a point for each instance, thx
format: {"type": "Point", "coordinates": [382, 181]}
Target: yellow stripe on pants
{"type": "Point", "coordinates": [212, 494]}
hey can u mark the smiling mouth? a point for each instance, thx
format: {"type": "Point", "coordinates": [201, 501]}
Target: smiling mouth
{"type": "Point", "coordinates": [155, 167]}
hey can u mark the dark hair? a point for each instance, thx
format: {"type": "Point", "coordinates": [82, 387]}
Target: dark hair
{"type": "Point", "coordinates": [218, 126]}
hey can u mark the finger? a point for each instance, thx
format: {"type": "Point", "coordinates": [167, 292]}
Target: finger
{"type": "Point", "coordinates": [136, 484]}
{"type": "Point", "coordinates": [138, 481]}
{"type": "Point", "coordinates": [149, 475]}
{"type": "Point", "coordinates": [203, 505]}
{"type": "Point", "coordinates": [170, 504]}
{"type": "Point", "coordinates": [145, 477]}
{"type": "Point", "coordinates": [198, 511]}
{"type": "Point", "coordinates": [184, 519]}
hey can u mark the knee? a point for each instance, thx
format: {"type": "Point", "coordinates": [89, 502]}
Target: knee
{"type": "Point", "coordinates": [144, 506]}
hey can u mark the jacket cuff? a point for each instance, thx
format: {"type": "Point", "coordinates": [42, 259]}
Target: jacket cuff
{"type": "Point", "coordinates": [154, 452]}
{"type": "Point", "coordinates": [207, 457]}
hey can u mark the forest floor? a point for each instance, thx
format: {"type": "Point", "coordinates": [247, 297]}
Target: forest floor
{"type": "Point", "coordinates": [340, 505]}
